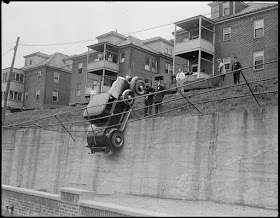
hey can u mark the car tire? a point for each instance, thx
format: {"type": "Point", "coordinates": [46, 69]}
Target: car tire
{"type": "Point", "coordinates": [137, 85]}
{"type": "Point", "coordinates": [127, 96]}
{"type": "Point", "coordinates": [116, 138]}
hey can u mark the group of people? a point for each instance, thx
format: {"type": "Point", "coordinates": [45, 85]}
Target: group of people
{"type": "Point", "coordinates": [236, 68]}
{"type": "Point", "coordinates": [156, 96]}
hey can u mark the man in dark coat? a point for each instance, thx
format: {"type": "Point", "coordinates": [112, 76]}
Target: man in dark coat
{"type": "Point", "coordinates": [149, 100]}
{"type": "Point", "coordinates": [236, 74]}
{"type": "Point", "coordinates": [159, 94]}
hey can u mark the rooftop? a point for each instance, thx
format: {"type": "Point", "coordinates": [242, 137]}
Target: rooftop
{"type": "Point", "coordinates": [251, 7]}
{"type": "Point", "coordinates": [54, 60]}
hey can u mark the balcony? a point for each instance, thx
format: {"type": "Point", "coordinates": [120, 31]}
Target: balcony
{"type": "Point", "coordinates": [13, 104]}
{"type": "Point", "coordinates": [98, 65]}
{"type": "Point", "coordinates": [192, 45]}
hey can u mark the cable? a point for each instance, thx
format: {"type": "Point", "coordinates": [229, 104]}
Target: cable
{"type": "Point", "coordinates": [124, 100]}
{"type": "Point", "coordinates": [216, 89]}
{"type": "Point", "coordinates": [8, 51]}
{"type": "Point", "coordinates": [151, 28]}
{"type": "Point", "coordinates": [202, 102]}
{"type": "Point", "coordinates": [157, 92]}
{"type": "Point", "coordinates": [65, 43]}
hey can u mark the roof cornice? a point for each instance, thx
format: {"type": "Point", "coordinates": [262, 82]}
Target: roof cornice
{"type": "Point", "coordinates": [247, 14]}
{"type": "Point", "coordinates": [45, 66]}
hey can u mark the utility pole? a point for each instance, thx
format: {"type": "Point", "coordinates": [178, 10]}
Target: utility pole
{"type": "Point", "coordinates": [8, 83]}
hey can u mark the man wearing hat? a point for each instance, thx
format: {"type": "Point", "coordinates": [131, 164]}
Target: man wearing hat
{"type": "Point", "coordinates": [222, 70]}
{"type": "Point", "coordinates": [159, 94]}
{"type": "Point", "coordinates": [236, 67]}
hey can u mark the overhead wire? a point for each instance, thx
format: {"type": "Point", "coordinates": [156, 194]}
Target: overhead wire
{"type": "Point", "coordinates": [147, 95]}
{"type": "Point", "coordinates": [172, 109]}
{"type": "Point", "coordinates": [129, 33]}
{"type": "Point", "coordinates": [138, 96]}
{"type": "Point", "coordinates": [166, 101]}
{"type": "Point", "coordinates": [8, 51]}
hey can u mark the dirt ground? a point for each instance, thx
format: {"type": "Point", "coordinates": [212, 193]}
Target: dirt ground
{"type": "Point", "coordinates": [183, 208]}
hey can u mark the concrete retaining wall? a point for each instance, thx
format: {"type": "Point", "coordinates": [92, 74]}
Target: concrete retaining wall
{"type": "Point", "coordinates": [228, 157]}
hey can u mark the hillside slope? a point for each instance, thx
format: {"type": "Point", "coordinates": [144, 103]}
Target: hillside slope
{"type": "Point", "coordinates": [173, 105]}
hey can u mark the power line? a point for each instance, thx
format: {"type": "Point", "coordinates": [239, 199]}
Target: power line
{"type": "Point", "coordinates": [8, 51]}
{"type": "Point", "coordinates": [147, 95]}
{"type": "Point", "coordinates": [150, 28]}
{"type": "Point", "coordinates": [65, 43]}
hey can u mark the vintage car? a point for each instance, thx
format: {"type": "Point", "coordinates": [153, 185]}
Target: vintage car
{"type": "Point", "coordinates": [108, 114]}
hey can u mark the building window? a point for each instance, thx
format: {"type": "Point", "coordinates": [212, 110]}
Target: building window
{"type": "Point", "coordinates": [11, 96]}
{"type": "Point", "coordinates": [225, 8]}
{"type": "Point", "coordinates": [168, 68]}
{"type": "Point", "coordinates": [170, 51]}
{"type": "Point", "coordinates": [108, 81]}
{"type": "Point", "coordinates": [56, 77]}
{"type": "Point", "coordinates": [154, 66]}
{"type": "Point", "coordinates": [215, 11]}
{"type": "Point", "coordinates": [20, 96]}
{"type": "Point", "coordinates": [55, 96]}
{"type": "Point", "coordinates": [166, 50]}
{"type": "Point", "coordinates": [78, 89]}
{"type": "Point", "coordinates": [4, 77]}
{"type": "Point", "coordinates": [27, 76]}
{"type": "Point", "coordinates": [26, 95]}
{"type": "Point", "coordinates": [80, 68]}
{"type": "Point", "coordinates": [39, 76]}
{"type": "Point", "coordinates": [194, 68]}
{"type": "Point", "coordinates": [16, 96]}
{"type": "Point", "coordinates": [37, 95]}
{"type": "Point", "coordinates": [147, 63]}
{"type": "Point", "coordinates": [226, 62]}
{"type": "Point", "coordinates": [226, 34]}
{"type": "Point", "coordinates": [19, 77]}
{"type": "Point", "coordinates": [30, 62]}
{"type": "Point", "coordinates": [258, 58]}
{"type": "Point", "coordinates": [258, 28]}
{"type": "Point", "coordinates": [122, 58]}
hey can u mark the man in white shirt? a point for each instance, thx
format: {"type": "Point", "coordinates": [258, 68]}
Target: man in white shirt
{"type": "Point", "coordinates": [180, 80]}
{"type": "Point", "coordinates": [92, 92]}
{"type": "Point", "coordinates": [222, 70]}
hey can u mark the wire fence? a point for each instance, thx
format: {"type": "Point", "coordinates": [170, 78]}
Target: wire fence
{"type": "Point", "coordinates": [174, 104]}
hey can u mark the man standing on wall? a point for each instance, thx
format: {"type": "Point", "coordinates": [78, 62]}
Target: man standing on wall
{"type": "Point", "coordinates": [222, 71]}
{"type": "Point", "coordinates": [158, 97]}
{"type": "Point", "coordinates": [236, 67]}
{"type": "Point", "coordinates": [180, 80]}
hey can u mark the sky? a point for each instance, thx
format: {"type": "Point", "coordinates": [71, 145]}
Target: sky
{"type": "Point", "coordinates": [41, 24]}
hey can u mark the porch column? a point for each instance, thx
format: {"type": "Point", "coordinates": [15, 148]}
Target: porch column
{"type": "Point", "coordinates": [199, 51]}
{"type": "Point", "coordinates": [214, 35]}
{"type": "Point", "coordinates": [199, 63]}
{"type": "Point", "coordinates": [174, 49]}
{"type": "Point", "coordinates": [86, 72]}
{"type": "Point", "coordinates": [103, 73]}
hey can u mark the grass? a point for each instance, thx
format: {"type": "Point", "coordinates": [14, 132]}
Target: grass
{"type": "Point", "coordinates": [171, 103]}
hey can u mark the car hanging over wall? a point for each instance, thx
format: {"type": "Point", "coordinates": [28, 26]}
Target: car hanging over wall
{"type": "Point", "coordinates": [108, 113]}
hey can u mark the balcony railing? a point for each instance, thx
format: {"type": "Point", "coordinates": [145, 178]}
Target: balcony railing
{"type": "Point", "coordinates": [194, 44]}
{"type": "Point", "coordinates": [97, 65]}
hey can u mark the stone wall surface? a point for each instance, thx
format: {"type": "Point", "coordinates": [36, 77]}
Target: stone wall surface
{"type": "Point", "coordinates": [229, 157]}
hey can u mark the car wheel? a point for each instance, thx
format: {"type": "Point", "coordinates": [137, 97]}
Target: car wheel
{"type": "Point", "coordinates": [127, 96]}
{"type": "Point", "coordinates": [117, 139]}
{"type": "Point", "coordinates": [137, 85]}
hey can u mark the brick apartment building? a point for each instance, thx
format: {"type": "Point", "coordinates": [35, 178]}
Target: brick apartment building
{"type": "Point", "coordinates": [117, 55]}
{"type": "Point", "coordinates": [47, 81]}
{"type": "Point", "coordinates": [246, 30]}
{"type": "Point", "coordinates": [16, 92]}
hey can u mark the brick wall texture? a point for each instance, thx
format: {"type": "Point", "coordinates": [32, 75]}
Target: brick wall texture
{"type": "Point", "coordinates": [242, 44]}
